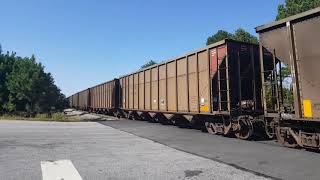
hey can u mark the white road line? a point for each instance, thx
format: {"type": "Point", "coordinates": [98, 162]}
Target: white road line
{"type": "Point", "coordinates": [59, 170]}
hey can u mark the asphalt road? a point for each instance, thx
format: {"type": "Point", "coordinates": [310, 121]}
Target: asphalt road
{"type": "Point", "coordinates": [265, 158]}
{"type": "Point", "coordinates": [92, 151]}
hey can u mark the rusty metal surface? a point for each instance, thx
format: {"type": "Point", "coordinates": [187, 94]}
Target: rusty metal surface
{"type": "Point", "coordinates": [295, 42]}
{"type": "Point", "coordinates": [185, 85]}
{"type": "Point", "coordinates": [197, 83]}
{"type": "Point", "coordinates": [282, 22]}
{"type": "Point", "coordinates": [104, 96]}
{"type": "Point", "coordinates": [307, 41]}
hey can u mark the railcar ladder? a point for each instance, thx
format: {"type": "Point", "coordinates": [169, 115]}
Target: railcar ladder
{"type": "Point", "coordinates": [274, 84]}
{"type": "Point", "coordinates": [223, 79]}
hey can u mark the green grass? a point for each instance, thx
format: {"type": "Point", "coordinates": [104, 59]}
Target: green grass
{"type": "Point", "coordinates": [57, 116]}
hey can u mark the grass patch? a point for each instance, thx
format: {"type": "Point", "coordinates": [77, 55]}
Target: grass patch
{"type": "Point", "coordinates": [57, 116]}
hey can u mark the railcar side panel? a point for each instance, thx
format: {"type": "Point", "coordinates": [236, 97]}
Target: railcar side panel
{"type": "Point", "coordinates": [307, 38]}
{"type": "Point", "coordinates": [147, 89]}
{"type": "Point", "coordinates": [141, 90]}
{"type": "Point", "coordinates": [131, 92]}
{"type": "Point", "coordinates": [162, 88]}
{"type": "Point", "coordinates": [154, 89]}
{"type": "Point", "coordinates": [182, 85]}
{"type": "Point", "coordinates": [204, 84]}
{"type": "Point", "coordinates": [193, 83]}
{"type": "Point", "coordinates": [171, 89]}
{"type": "Point", "coordinates": [135, 91]}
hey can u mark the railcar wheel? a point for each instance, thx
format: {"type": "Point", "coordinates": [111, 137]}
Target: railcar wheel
{"type": "Point", "coordinates": [210, 128]}
{"type": "Point", "coordinates": [270, 129]}
{"type": "Point", "coordinates": [244, 127]}
{"type": "Point", "coordinates": [285, 139]}
{"type": "Point", "coordinates": [174, 121]}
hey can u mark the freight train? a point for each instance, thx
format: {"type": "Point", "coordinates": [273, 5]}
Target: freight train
{"type": "Point", "coordinates": [229, 87]}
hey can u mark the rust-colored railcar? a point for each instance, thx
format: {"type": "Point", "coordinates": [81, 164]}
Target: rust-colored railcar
{"type": "Point", "coordinates": [83, 100]}
{"type": "Point", "coordinates": [75, 100]}
{"type": "Point", "coordinates": [104, 98]}
{"type": "Point", "coordinates": [291, 100]}
{"type": "Point", "coordinates": [219, 85]}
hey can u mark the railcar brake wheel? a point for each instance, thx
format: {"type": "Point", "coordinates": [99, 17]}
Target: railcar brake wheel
{"type": "Point", "coordinates": [285, 140]}
{"type": "Point", "coordinates": [210, 128]}
{"type": "Point", "coordinates": [245, 127]}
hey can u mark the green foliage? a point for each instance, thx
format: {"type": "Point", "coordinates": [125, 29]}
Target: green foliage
{"type": "Point", "coordinates": [219, 36]}
{"type": "Point", "coordinates": [293, 7]}
{"type": "Point", "coordinates": [42, 116]}
{"type": "Point", "coordinates": [239, 35]}
{"type": "Point", "coordinates": [25, 87]}
{"type": "Point", "coordinates": [286, 90]}
{"type": "Point", "coordinates": [244, 36]}
{"type": "Point", "coordinates": [150, 63]}
{"type": "Point", "coordinates": [58, 116]}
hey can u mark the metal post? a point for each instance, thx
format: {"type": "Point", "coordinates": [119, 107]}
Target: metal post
{"type": "Point", "coordinates": [209, 81]}
{"type": "Point", "coordinates": [227, 78]}
{"type": "Point", "coordinates": [177, 107]}
{"type": "Point", "coordinates": [295, 74]}
{"type": "Point", "coordinates": [150, 89]}
{"type": "Point", "coordinates": [218, 81]}
{"type": "Point", "coordinates": [197, 71]}
{"type": "Point", "coordinates": [275, 80]}
{"type": "Point", "coordinates": [144, 90]}
{"type": "Point", "coordinates": [166, 87]}
{"type": "Point", "coordinates": [281, 86]}
{"type": "Point", "coordinates": [253, 77]}
{"type": "Point", "coordinates": [158, 89]}
{"type": "Point", "coordinates": [187, 79]}
{"type": "Point", "coordinates": [239, 81]}
{"type": "Point", "coordinates": [264, 103]}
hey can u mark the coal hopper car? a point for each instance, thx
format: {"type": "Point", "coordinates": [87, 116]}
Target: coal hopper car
{"type": "Point", "coordinates": [73, 100]}
{"type": "Point", "coordinates": [104, 98]}
{"type": "Point", "coordinates": [290, 63]}
{"type": "Point", "coordinates": [83, 100]}
{"type": "Point", "coordinates": [218, 86]}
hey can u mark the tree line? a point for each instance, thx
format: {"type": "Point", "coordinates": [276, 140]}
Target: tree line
{"type": "Point", "coordinates": [25, 88]}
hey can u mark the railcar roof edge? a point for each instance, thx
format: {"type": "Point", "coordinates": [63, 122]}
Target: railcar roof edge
{"type": "Point", "coordinates": [288, 19]}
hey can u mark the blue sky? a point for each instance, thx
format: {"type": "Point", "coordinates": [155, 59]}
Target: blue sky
{"type": "Point", "coordinates": [85, 42]}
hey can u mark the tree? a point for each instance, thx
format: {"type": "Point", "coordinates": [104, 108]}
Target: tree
{"type": "Point", "coordinates": [220, 35]}
{"type": "Point", "coordinates": [239, 35]}
{"type": "Point", "coordinates": [26, 87]}
{"type": "Point", "coordinates": [6, 65]}
{"type": "Point", "coordinates": [244, 36]}
{"type": "Point", "coordinates": [150, 63]}
{"type": "Point", "coordinates": [293, 7]}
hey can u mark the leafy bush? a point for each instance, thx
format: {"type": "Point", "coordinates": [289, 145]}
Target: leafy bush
{"type": "Point", "coordinates": [239, 35]}
{"type": "Point", "coordinates": [42, 116]}
{"type": "Point", "coordinates": [58, 116]}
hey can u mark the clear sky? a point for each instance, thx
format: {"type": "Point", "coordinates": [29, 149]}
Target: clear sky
{"type": "Point", "coordinates": [85, 42]}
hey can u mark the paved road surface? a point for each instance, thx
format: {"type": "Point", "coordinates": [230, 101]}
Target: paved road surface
{"type": "Point", "coordinates": [91, 151]}
{"type": "Point", "coordinates": [264, 157]}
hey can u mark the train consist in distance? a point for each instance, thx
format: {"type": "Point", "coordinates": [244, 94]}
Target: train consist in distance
{"type": "Point", "coordinates": [230, 87]}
